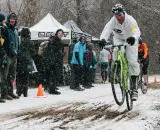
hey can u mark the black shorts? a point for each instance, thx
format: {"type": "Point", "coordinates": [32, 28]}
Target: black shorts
{"type": "Point", "coordinates": [145, 66]}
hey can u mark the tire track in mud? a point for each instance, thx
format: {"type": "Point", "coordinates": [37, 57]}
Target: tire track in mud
{"type": "Point", "coordinates": [72, 112]}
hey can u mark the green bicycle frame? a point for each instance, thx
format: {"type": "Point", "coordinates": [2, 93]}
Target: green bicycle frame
{"type": "Point", "coordinates": [124, 69]}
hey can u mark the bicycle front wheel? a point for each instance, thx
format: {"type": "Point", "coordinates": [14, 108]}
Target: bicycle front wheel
{"type": "Point", "coordinates": [117, 82]}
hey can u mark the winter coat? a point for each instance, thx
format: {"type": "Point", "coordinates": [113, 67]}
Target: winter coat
{"type": "Point", "coordinates": [26, 54]}
{"type": "Point", "coordinates": [88, 58]}
{"type": "Point", "coordinates": [70, 52]}
{"type": "Point", "coordinates": [12, 41]}
{"type": "Point", "coordinates": [53, 54]}
{"type": "Point", "coordinates": [26, 49]}
{"type": "Point", "coordinates": [2, 41]}
{"type": "Point", "coordinates": [104, 56]}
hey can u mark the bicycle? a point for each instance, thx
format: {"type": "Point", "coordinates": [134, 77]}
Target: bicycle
{"type": "Point", "coordinates": [120, 79]}
{"type": "Point", "coordinates": [141, 84]}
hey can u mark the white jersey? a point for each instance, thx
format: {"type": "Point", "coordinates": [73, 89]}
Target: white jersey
{"type": "Point", "coordinates": [129, 28]}
{"type": "Point", "coordinates": [104, 56]}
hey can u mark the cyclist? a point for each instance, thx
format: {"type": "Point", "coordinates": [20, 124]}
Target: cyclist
{"type": "Point", "coordinates": [144, 58]}
{"type": "Point", "coordinates": [125, 29]}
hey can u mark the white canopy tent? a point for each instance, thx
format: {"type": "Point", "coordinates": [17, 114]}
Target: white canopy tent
{"type": "Point", "coordinates": [70, 24]}
{"type": "Point", "coordinates": [45, 27]}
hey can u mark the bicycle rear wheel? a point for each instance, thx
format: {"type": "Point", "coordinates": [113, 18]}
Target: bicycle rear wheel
{"type": "Point", "coordinates": [117, 84]}
{"type": "Point", "coordinates": [129, 101]}
{"type": "Point", "coordinates": [141, 84]}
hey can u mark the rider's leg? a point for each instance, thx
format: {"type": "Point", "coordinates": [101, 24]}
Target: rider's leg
{"type": "Point", "coordinates": [145, 69]}
{"type": "Point", "coordinates": [134, 68]}
{"type": "Point", "coordinates": [133, 85]}
{"type": "Point", "coordinates": [145, 79]}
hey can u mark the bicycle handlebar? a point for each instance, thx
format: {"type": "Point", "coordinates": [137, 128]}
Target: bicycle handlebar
{"type": "Point", "coordinates": [119, 46]}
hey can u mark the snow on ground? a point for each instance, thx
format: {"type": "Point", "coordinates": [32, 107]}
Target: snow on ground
{"type": "Point", "coordinates": [91, 109]}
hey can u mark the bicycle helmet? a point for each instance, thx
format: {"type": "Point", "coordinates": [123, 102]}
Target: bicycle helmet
{"type": "Point", "coordinates": [118, 8]}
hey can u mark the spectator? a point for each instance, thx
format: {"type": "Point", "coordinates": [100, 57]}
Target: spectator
{"type": "Point", "coordinates": [88, 62]}
{"type": "Point", "coordinates": [24, 62]}
{"type": "Point", "coordinates": [53, 57]}
{"type": "Point", "coordinates": [93, 66]}
{"type": "Point", "coordinates": [104, 62]}
{"type": "Point", "coordinates": [77, 63]}
{"type": "Point", "coordinates": [71, 48]}
{"type": "Point", "coordinates": [12, 49]}
{"type": "Point", "coordinates": [3, 61]}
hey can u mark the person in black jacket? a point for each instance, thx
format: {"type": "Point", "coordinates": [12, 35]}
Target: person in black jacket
{"type": "Point", "coordinates": [24, 62]}
{"type": "Point", "coordinates": [53, 58]}
{"type": "Point", "coordinates": [3, 60]}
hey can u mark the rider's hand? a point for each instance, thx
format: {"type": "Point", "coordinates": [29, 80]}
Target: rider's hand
{"type": "Point", "coordinates": [131, 40]}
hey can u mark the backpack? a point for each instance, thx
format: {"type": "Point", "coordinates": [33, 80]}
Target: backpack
{"type": "Point", "coordinates": [42, 47]}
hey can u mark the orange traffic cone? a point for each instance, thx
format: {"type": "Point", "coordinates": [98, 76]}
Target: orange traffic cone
{"type": "Point", "coordinates": [40, 91]}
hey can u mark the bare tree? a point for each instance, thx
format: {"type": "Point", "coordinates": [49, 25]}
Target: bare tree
{"type": "Point", "coordinates": [9, 6]}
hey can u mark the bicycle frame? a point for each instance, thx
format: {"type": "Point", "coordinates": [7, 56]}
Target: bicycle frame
{"type": "Point", "coordinates": [124, 67]}
{"type": "Point", "coordinates": [122, 78]}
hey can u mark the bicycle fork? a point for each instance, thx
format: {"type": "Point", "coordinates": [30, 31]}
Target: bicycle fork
{"type": "Point", "coordinates": [124, 72]}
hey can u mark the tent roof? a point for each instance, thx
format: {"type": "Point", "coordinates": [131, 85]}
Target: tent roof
{"type": "Point", "coordinates": [70, 24]}
{"type": "Point", "coordinates": [49, 24]}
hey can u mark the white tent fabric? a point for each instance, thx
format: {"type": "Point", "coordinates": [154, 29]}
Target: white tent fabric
{"type": "Point", "coordinates": [45, 27]}
{"type": "Point", "coordinates": [70, 24]}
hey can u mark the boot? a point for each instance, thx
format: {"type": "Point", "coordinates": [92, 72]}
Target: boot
{"type": "Point", "coordinates": [54, 92]}
{"type": "Point", "coordinates": [7, 97]}
{"type": "Point", "coordinates": [25, 91]}
{"type": "Point", "coordinates": [78, 89]}
{"type": "Point", "coordinates": [13, 95]}
{"type": "Point", "coordinates": [2, 101]}
{"type": "Point", "coordinates": [134, 92]}
{"type": "Point", "coordinates": [106, 75]}
{"type": "Point", "coordinates": [134, 95]}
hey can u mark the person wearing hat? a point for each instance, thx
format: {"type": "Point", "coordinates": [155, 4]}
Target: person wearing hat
{"type": "Point", "coordinates": [24, 62]}
{"type": "Point", "coordinates": [12, 49]}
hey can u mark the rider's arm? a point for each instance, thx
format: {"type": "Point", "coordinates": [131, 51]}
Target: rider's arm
{"type": "Point", "coordinates": [145, 51]}
{"type": "Point", "coordinates": [134, 30]}
{"type": "Point", "coordinates": [108, 29]}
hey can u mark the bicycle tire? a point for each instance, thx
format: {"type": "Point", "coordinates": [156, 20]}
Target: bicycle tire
{"type": "Point", "coordinates": [141, 85]}
{"type": "Point", "coordinates": [129, 101]}
{"type": "Point", "coordinates": [144, 91]}
{"type": "Point", "coordinates": [114, 72]}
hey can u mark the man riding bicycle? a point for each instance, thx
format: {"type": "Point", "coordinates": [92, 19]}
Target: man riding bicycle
{"type": "Point", "coordinates": [125, 30]}
{"type": "Point", "coordinates": [144, 58]}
